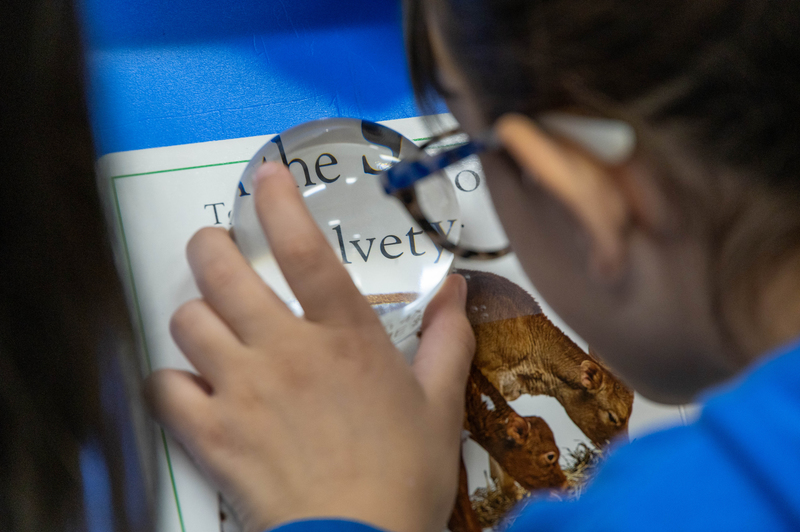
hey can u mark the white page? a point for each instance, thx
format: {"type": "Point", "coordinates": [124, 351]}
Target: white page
{"type": "Point", "coordinates": [160, 197]}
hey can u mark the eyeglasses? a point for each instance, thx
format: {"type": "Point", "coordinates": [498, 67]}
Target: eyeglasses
{"type": "Point", "coordinates": [406, 180]}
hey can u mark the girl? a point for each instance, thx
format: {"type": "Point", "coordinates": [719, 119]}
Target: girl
{"type": "Point", "coordinates": [677, 258]}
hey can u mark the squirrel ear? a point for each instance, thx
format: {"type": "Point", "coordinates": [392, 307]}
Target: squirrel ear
{"type": "Point", "coordinates": [591, 375]}
{"type": "Point", "coordinates": [517, 429]}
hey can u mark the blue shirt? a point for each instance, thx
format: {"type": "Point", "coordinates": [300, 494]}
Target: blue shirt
{"type": "Point", "coordinates": [736, 468]}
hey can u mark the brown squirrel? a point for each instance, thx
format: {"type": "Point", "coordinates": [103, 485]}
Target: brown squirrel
{"type": "Point", "coordinates": [521, 351]}
{"type": "Point", "coordinates": [523, 446]}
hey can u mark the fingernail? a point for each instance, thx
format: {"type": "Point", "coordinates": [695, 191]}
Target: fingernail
{"type": "Point", "coordinates": [267, 169]}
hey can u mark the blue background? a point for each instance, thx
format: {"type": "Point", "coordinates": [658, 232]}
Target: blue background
{"type": "Point", "coordinates": [167, 72]}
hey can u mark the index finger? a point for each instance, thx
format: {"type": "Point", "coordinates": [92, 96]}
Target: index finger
{"type": "Point", "coordinates": [316, 276]}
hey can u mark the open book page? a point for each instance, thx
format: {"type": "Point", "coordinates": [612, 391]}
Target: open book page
{"type": "Point", "coordinates": [158, 198]}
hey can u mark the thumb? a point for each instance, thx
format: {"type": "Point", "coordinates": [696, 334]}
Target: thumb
{"type": "Point", "coordinates": [446, 349]}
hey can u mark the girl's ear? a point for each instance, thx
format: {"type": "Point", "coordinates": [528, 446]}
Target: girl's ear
{"type": "Point", "coordinates": [577, 177]}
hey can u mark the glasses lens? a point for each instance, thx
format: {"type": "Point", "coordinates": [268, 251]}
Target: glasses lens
{"type": "Point", "coordinates": [478, 227]}
{"type": "Point", "coordinates": [439, 205]}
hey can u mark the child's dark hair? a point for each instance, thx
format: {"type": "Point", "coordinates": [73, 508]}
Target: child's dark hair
{"type": "Point", "coordinates": [724, 70]}
{"type": "Point", "coordinates": [66, 343]}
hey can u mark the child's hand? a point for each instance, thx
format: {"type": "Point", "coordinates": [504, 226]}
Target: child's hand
{"type": "Point", "coordinates": [315, 416]}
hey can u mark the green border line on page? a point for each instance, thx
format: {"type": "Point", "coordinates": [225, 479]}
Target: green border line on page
{"type": "Point", "coordinates": [130, 277]}
{"type": "Point", "coordinates": [137, 306]}
{"type": "Point", "coordinates": [172, 481]}
{"type": "Point", "coordinates": [179, 169]}
{"type": "Point", "coordinates": [144, 345]}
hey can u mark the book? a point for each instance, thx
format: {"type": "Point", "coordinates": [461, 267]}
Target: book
{"type": "Point", "coordinates": [158, 198]}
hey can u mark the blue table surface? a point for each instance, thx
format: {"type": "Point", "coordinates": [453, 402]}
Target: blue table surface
{"type": "Point", "coordinates": [168, 72]}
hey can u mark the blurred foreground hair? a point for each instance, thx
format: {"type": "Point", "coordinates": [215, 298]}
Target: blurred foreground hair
{"type": "Point", "coordinates": [71, 446]}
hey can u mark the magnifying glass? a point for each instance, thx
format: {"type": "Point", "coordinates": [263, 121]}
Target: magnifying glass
{"type": "Point", "coordinates": [338, 164]}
